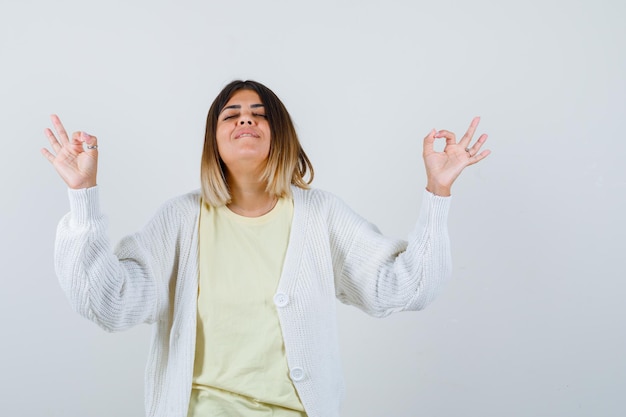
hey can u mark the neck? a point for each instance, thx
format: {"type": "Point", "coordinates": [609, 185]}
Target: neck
{"type": "Point", "coordinates": [249, 197]}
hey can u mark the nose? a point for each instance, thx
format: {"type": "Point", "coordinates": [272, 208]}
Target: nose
{"type": "Point", "coordinates": [245, 119]}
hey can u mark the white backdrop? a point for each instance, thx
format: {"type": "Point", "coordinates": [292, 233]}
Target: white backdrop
{"type": "Point", "coordinates": [533, 323]}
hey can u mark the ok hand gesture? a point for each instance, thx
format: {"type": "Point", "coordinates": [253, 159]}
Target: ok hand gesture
{"type": "Point", "coordinates": [77, 165]}
{"type": "Point", "coordinates": [443, 168]}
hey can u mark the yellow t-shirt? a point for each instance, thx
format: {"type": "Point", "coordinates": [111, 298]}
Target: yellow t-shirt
{"type": "Point", "coordinates": [240, 363]}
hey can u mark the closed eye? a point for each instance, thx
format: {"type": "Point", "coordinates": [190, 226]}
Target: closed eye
{"type": "Point", "coordinates": [235, 115]}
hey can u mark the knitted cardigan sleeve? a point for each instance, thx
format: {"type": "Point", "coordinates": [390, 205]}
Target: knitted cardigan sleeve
{"type": "Point", "coordinates": [115, 289]}
{"type": "Point", "coordinates": [382, 275]}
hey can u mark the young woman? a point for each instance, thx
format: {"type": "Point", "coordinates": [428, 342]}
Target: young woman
{"type": "Point", "coordinates": [239, 280]}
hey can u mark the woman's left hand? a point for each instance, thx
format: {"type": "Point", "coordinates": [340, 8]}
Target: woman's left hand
{"type": "Point", "coordinates": [443, 168]}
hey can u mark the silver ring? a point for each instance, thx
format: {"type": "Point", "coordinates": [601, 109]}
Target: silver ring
{"type": "Point", "coordinates": [92, 147]}
{"type": "Point", "coordinates": [468, 152]}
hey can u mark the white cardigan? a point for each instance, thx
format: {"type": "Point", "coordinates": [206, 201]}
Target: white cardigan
{"type": "Point", "coordinates": [152, 277]}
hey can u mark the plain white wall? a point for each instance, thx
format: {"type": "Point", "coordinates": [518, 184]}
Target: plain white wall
{"type": "Point", "coordinates": [533, 323]}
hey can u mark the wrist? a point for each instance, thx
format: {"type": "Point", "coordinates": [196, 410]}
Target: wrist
{"type": "Point", "coordinates": [82, 185]}
{"type": "Point", "coordinates": [438, 189]}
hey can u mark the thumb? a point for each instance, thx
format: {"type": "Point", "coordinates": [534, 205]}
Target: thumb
{"type": "Point", "coordinates": [429, 142]}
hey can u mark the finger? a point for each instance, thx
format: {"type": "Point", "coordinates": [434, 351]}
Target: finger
{"type": "Point", "coordinates": [467, 137]}
{"type": "Point", "coordinates": [91, 143]}
{"type": "Point", "coordinates": [53, 140]}
{"type": "Point", "coordinates": [75, 145]}
{"type": "Point", "coordinates": [450, 137]}
{"type": "Point", "coordinates": [46, 153]}
{"type": "Point", "coordinates": [473, 150]}
{"type": "Point", "coordinates": [479, 157]}
{"type": "Point", "coordinates": [429, 142]}
{"type": "Point", "coordinates": [58, 126]}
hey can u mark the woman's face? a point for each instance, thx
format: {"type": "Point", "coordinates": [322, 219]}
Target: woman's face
{"type": "Point", "coordinates": [243, 133]}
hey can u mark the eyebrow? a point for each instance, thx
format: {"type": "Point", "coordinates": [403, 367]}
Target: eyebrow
{"type": "Point", "coordinates": [238, 106]}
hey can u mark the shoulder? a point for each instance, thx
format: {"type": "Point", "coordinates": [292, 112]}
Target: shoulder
{"type": "Point", "coordinates": [183, 208]}
{"type": "Point", "coordinates": [319, 201]}
{"type": "Point", "coordinates": [314, 196]}
{"type": "Point", "coordinates": [191, 198]}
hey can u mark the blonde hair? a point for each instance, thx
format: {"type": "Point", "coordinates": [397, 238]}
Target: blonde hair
{"type": "Point", "coordinates": [287, 163]}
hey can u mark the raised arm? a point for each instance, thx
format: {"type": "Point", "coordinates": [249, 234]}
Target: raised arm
{"type": "Point", "coordinates": [117, 289]}
{"type": "Point", "coordinates": [383, 275]}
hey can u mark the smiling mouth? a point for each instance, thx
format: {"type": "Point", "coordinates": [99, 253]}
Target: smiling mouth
{"type": "Point", "coordinates": [246, 133]}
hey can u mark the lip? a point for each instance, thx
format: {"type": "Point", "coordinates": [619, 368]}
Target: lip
{"type": "Point", "coordinates": [246, 133]}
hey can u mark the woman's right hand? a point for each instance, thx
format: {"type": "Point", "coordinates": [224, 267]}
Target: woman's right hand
{"type": "Point", "coordinates": [77, 165]}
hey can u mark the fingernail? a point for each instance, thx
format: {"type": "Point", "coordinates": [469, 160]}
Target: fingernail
{"type": "Point", "coordinates": [84, 135]}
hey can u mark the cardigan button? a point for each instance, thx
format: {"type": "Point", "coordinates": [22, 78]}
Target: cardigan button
{"type": "Point", "coordinates": [296, 373]}
{"type": "Point", "coordinates": [281, 299]}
